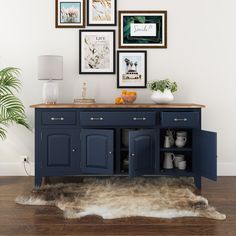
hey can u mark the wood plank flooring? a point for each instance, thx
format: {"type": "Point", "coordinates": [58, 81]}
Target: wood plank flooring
{"type": "Point", "coordinates": [44, 220]}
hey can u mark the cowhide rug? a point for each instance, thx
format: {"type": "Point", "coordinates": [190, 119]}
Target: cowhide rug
{"type": "Point", "coordinates": [119, 197]}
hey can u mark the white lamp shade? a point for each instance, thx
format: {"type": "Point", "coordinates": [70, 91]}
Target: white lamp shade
{"type": "Point", "coordinates": [50, 67]}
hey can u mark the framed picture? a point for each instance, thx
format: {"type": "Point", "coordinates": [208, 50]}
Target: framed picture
{"type": "Point", "coordinates": [70, 14]}
{"type": "Point", "coordinates": [101, 12]}
{"type": "Point", "coordinates": [97, 52]}
{"type": "Point", "coordinates": [132, 69]}
{"type": "Point", "coordinates": [143, 29]}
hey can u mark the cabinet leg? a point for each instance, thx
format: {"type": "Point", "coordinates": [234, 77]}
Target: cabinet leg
{"type": "Point", "coordinates": [198, 182]}
{"type": "Point", "coordinates": [38, 180]}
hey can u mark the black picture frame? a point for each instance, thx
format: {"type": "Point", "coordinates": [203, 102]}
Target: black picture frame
{"type": "Point", "coordinates": [113, 52]}
{"type": "Point", "coordinates": [119, 52]}
{"type": "Point", "coordinates": [99, 24]}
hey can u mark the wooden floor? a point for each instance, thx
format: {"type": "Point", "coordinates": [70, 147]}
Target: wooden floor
{"type": "Point", "coordinates": [43, 220]}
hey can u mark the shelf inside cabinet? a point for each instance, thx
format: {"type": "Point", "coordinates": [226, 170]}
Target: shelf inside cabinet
{"type": "Point", "coordinates": [173, 148]}
{"type": "Point", "coordinates": [177, 172]}
{"type": "Point", "coordinates": [176, 149]}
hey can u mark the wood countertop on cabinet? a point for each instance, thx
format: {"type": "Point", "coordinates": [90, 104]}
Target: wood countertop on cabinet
{"type": "Point", "coordinates": [107, 105]}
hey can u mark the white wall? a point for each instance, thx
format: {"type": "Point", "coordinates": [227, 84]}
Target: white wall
{"type": "Point", "coordinates": [200, 57]}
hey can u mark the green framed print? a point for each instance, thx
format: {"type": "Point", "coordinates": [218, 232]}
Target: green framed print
{"type": "Point", "coordinates": [70, 14]}
{"type": "Point", "coordinates": [143, 29]}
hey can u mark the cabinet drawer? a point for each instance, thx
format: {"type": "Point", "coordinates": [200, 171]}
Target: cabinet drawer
{"type": "Point", "coordinates": [180, 119]}
{"type": "Point", "coordinates": [59, 118]}
{"type": "Point", "coordinates": [117, 118]}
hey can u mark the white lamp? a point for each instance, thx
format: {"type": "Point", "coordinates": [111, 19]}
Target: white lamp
{"type": "Point", "coordinates": [50, 68]}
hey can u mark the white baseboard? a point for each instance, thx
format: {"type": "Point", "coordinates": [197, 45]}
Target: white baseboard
{"type": "Point", "coordinates": [17, 169]}
{"type": "Point", "coordinates": [226, 169]}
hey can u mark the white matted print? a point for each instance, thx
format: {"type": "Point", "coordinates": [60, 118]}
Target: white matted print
{"type": "Point", "coordinates": [132, 69]}
{"type": "Point", "coordinates": [70, 14]}
{"type": "Point", "coordinates": [97, 52]}
{"type": "Point", "coordinates": [145, 30]}
{"type": "Point", "coordinates": [102, 12]}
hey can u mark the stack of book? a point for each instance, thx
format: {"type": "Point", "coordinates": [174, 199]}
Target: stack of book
{"type": "Point", "coordinates": [84, 101]}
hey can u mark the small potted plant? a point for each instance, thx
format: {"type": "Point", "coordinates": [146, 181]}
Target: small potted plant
{"type": "Point", "coordinates": [162, 90]}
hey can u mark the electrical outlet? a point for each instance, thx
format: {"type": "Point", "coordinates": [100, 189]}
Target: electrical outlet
{"type": "Point", "coordinates": [24, 158]}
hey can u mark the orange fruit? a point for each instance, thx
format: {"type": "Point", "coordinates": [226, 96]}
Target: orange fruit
{"type": "Point", "coordinates": [119, 100]}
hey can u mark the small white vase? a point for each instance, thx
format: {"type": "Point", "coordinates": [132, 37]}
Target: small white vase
{"type": "Point", "coordinates": [162, 97]}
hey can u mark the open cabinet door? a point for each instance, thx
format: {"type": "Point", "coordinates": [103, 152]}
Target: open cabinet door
{"type": "Point", "coordinates": [206, 153]}
{"type": "Point", "coordinates": [141, 152]}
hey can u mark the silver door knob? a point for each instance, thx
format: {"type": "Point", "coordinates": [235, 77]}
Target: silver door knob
{"type": "Point", "coordinates": [73, 150]}
{"type": "Point", "coordinates": [132, 155]}
{"type": "Point", "coordinates": [110, 153]}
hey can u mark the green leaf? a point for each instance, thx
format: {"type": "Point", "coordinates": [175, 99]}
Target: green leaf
{"type": "Point", "coordinates": [161, 85]}
{"type": "Point", "coordinates": [4, 90]}
{"type": "Point", "coordinates": [8, 78]}
{"type": "Point", "coordinates": [2, 133]}
{"type": "Point", "coordinates": [140, 19]}
{"type": "Point", "coordinates": [20, 120]}
{"type": "Point", "coordinates": [11, 108]}
{"type": "Point", "coordinates": [10, 104]}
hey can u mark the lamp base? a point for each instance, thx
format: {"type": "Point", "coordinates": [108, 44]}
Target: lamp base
{"type": "Point", "coordinates": [50, 92]}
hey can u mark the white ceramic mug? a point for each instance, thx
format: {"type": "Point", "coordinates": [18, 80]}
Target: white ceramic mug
{"type": "Point", "coordinates": [182, 165]}
{"type": "Point", "coordinates": [168, 160]}
{"type": "Point", "coordinates": [178, 158]}
{"type": "Point", "coordinates": [180, 141]}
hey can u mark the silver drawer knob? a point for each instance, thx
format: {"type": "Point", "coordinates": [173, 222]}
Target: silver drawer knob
{"type": "Point", "coordinates": [132, 155]}
{"type": "Point", "coordinates": [183, 119]}
{"type": "Point", "coordinates": [73, 150]}
{"type": "Point", "coordinates": [57, 118]}
{"type": "Point", "coordinates": [110, 153]}
{"type": "Point", "coordinates": [139, 118]}
{"type": "Point", "coordinates": [96, 118]}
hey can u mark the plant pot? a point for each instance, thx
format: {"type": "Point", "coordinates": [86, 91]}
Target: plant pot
{"type": "Point", "coordinates": [162, 97]}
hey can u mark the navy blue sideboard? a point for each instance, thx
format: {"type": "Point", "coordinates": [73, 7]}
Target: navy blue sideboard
{"type": "Point", "coordinates": [80, 140]}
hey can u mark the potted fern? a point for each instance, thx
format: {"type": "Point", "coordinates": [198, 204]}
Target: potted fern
{"type": "Point", "coordinates": [11, 108]}
{"type": "Point", "coordinates": [162, 90]}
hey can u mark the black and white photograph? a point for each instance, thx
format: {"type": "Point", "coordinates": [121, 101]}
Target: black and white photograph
{"type": "Point", "coordinates": [132, 69]}
{"type": "Point", "coordinates": [97, 51]}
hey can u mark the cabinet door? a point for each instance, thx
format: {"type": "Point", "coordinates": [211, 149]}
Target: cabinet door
{"type": "Point", "coordinates": [141, 152]}
{"type": "Point", "coordinates": [59, 150]}
{"type": "Point", "coordinates": [205, 153]}
{"type": "Point", "coordinates": [97, 151]}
